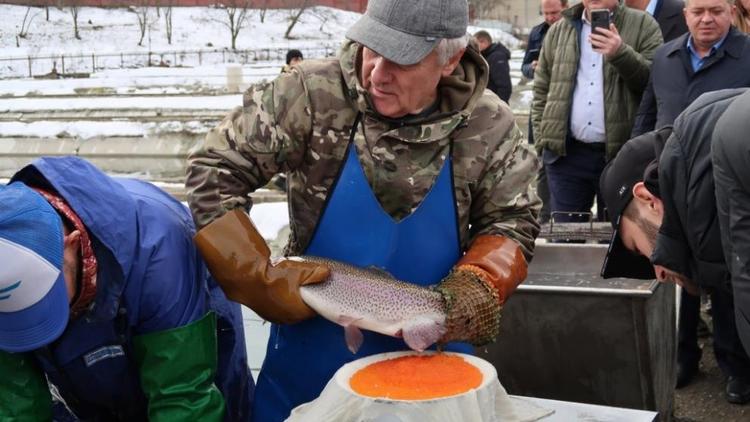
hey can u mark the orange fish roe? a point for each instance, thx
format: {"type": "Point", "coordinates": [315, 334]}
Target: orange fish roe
{"type": "Point", "coordinates": [416, 377]}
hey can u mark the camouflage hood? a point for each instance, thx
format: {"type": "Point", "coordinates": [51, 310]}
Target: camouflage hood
{"type": "Point", "coordinates": [457, 93]}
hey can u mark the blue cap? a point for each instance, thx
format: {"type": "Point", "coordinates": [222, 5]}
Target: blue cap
{"type": "Point", "coordinates": [34, 305]}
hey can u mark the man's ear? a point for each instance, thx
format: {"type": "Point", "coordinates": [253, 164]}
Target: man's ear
{"type": "Point", "coordinates": [450, 66]}
{"type": "Point", "coordinates": [72, 239]}
{"type": "Point", "coordinates": [646, 199]}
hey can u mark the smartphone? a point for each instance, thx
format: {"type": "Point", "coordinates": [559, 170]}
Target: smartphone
{"type": "Point", "coordinates": [599, 19]}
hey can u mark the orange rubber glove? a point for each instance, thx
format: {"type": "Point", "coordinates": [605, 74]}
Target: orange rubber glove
{"type": "Point", "coordinates": [496, 260]}
{"type": "Point", "coordinates": [239, 260]}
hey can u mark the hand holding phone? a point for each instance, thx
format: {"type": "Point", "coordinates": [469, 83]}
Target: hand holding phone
{"type": "Point", "coordinates": [606, 41]}
{"type": "Point", "coordinates": [599, 19]}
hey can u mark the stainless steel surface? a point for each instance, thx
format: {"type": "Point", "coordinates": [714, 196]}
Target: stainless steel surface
{"type": "Point", "coordinates": [568, 335]}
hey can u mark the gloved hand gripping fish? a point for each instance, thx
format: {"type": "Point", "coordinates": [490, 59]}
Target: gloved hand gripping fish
{"type": "Point", "coordinates": [358, 298]}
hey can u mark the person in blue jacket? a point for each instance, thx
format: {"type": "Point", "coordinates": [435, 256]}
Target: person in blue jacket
{"type": "Point", "coordinates": [103, 292]}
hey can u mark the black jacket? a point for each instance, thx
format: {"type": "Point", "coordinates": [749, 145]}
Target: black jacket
{"type": "Point", "coordinates": [673, 85]}
{"type": "Point", "coordinates": [671, 20]}
{"type": "Point", "coordinates": [533, 48]}
{"type": "Point", "coordinates": [498, 57]}
{"type": "Point", "coordinates": [731, 161]}
{"type": "Point", "coordinates": [689, 239]}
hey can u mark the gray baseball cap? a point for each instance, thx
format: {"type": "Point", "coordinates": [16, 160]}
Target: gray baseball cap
{"type": "Point", "coordinates": [405, 31]}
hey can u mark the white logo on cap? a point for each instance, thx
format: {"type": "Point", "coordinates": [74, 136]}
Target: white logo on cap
{"type": "Point", "coordinates": [25, 277]}
{"type": "Point", "coordinates": [622, 190]}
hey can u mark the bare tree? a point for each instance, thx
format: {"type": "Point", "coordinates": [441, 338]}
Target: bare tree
{"type": "Point", "coordinates": [74, 9]}
{"type": "Point", "coordinates": [141, 13]}
{"type": "Point", "coordinates": [324, 15]}
{"type": "Point", "coordinates": [26, 23]}
{"type": "Point", "coordinates": [294, 15]}
{"type": "Point", "coordinates": [236, 18]}
{"type": "Point", "coordinates": [168, 20]}
{"type": "Point", "coordinates": [262, 9]}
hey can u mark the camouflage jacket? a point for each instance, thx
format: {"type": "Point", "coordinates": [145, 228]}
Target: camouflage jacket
{"type": "Point", "coordinates": [300, 124]}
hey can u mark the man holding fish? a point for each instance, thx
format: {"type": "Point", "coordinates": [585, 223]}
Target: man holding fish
{"type": "Point", "coordinates": [400, 166]}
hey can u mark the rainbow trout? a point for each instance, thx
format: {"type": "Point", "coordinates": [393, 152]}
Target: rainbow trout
{"type": "Point", "coordinates": [359, 298]}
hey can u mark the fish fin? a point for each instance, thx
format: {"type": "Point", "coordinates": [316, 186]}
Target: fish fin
{"type": "Point", "coordinates": [346, 320]}
{"type": "Point", "coordinates": [422, 332]}
{"type": "Point", "coordinates": [354, 337]}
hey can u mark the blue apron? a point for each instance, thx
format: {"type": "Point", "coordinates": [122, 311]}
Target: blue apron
{"type": "Point", "coordinates": [421, 249]}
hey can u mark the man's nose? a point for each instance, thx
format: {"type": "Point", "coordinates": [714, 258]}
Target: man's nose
{"type": "Point", "coordinates": [381, 72]}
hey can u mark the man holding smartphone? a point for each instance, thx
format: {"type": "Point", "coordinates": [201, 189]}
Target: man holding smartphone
{"type": "Point", "coordinates": [587, 87]}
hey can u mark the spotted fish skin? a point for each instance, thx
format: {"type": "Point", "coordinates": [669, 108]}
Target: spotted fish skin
{"type": "Point", "coordinates": [361, 298]}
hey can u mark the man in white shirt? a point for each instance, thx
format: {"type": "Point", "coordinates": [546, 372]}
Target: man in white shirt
{"type": "Point", "coordinates": [587, 88]}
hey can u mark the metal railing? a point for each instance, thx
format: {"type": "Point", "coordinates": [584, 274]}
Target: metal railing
{"type": "Point", "coordinates": [70, 64]}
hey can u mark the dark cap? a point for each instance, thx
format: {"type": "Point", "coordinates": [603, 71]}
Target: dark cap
{"type": "Point", "coordinates": [406, 31]}
{"type": "Point", "coordinates": [293, 54]}
{"type": "Point", "coordinates": [635, 162]}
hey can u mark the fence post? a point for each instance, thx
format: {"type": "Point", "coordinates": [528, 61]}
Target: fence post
{"type": "Point", "coordinates": [93, 63]}
{"type": "Point", "coordinates": [200, 58]}
{"type": "Point", "coordinates": [122, 61]}
{"type": "Point", "coordinates": [175, 60]}
{"type": "Point", "coordinates": [62, 61]}
{"type": "Point", "coordinates": [29, 66]}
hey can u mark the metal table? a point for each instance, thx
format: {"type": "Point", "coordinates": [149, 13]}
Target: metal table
{"type": "Point", "coordinates": [567, 334]}
{"type": "Point", "coordinates": [571, 412]}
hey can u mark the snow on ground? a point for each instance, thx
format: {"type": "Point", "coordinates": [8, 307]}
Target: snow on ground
{"type": "Point", "coordinates": [270, 218]}
{"type": "Point", "coordinates": [218, 102]}
{"type": "Point", "coordinates": [147, 80]}
{"type": "Point", "coordinates": [116, 30]}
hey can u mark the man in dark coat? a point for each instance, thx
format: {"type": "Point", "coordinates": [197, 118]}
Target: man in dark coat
{"type": "Point", "coordinates": [552, 12]}
{"type": "Point", "coordinates": [498, 57]}
{"type": "Point", "coordinates": [729, 155]}
{"type": "Point", "coordinates": [705, 59]}
{"type": "Point", "coordinates": [668, 13]}
{"type": "Point", "coordinates": [708, 58]}
{"type": "Point", "coordinates": [664, 212]}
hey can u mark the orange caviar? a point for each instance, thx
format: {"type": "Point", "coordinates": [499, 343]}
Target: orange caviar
{"type": "Point", "coordinates": [416, 377]}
